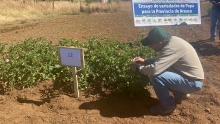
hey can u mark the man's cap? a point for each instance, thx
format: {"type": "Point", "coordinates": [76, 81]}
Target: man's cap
{"type": "Point", "coordinates": [155, 35]}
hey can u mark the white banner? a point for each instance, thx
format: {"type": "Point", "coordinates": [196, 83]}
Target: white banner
{"type": "Point", "coordinates": [166, 12]}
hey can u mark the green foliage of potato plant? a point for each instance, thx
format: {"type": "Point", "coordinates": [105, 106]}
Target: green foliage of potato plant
{"type": "Point", "coordinates": [106, 65]}
{"type": "Point", "coordinates": [27, 62]}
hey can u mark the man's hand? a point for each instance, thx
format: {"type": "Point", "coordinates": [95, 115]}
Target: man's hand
{"type": "Point", "coordinates": [134, 67]}
{"type": "Point", "coordinates": [138, 60]}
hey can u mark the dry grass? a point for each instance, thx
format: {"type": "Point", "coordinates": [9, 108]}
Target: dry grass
{"type": "Point", "coordinates": [12, 10]}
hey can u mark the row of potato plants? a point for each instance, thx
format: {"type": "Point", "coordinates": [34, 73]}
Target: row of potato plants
{"type": "Point", "coordinates": [107, 61]}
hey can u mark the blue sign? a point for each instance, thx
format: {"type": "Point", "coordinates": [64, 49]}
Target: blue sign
{"type": "Point", "coordinates": [147, 13]}
{"type": "Point", "coordinates": [160, 8]}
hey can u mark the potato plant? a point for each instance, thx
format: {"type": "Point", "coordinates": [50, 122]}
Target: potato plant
{"type": "Point", "coordinates": [106, 65]}
{"type": "Point", "coordinates": [27, 62]}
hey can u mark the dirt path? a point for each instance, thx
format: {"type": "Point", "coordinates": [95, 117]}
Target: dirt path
{"type": "Point", "coordinates": [43, 104]}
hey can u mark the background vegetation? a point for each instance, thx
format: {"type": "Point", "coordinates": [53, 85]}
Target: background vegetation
{"type": "Point", "coordinates": [12, 10]}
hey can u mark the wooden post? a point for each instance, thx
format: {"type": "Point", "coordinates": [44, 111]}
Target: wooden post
{"type": "Point", "coordinates": [53, 4]}
{"type": "Point", "coordinates": [75, 82]}
{"type": "Point", "coordinates": [80, 9]}
{"type": "Point", "coordinates": [73, 57]}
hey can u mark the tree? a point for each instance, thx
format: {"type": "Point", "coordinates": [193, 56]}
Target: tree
{"type": "Point", "coordinates": [88, 2]}
{"type": "Point", "coordinates": [80, 1]}
{"type": "Point", "coordinates": [35, 1]}
{"type": "Point", "coordinates": [53, 4]}
{"type": "Point", "coordinates": [110, 3]}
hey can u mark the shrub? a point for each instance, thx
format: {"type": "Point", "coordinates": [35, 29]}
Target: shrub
{"type": "Point", "coordinates": [27, 62]}
{"type": "Point", "coordinates": [106, 65]}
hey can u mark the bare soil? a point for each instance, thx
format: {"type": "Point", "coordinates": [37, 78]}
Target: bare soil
{"type": "Point", "coordinates": [44, 104]}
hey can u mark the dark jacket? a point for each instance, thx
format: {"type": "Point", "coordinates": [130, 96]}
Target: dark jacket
{"type": "Point", "coordinates": [214, 6]}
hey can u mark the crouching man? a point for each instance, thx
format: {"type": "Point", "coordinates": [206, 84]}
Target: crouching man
{"type": "Point", "coordinates": [177, 69]}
